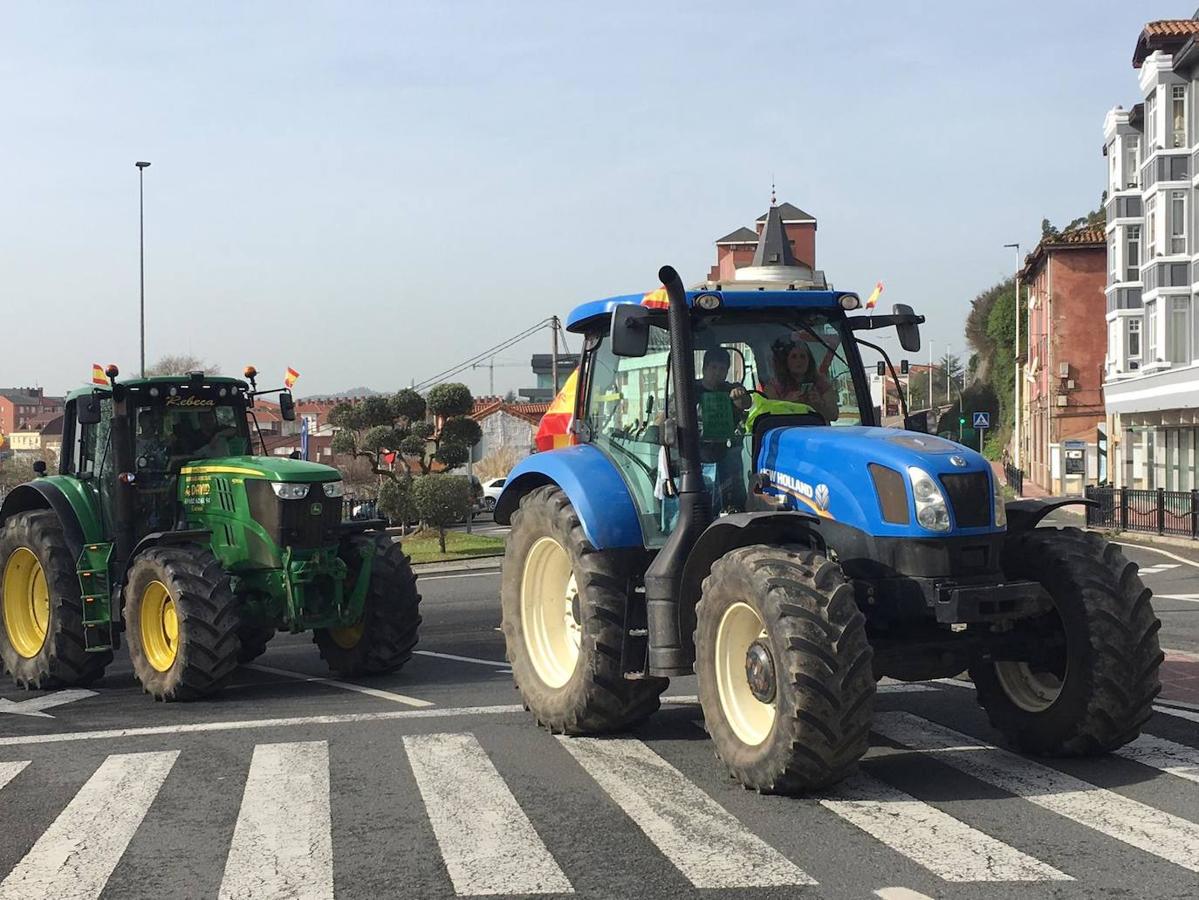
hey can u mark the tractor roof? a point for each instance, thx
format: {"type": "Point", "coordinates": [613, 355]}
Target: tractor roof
{"type": "Point", "coordinates": [168, 380]}
{"type": "Point", "coordinates": [586, 315]}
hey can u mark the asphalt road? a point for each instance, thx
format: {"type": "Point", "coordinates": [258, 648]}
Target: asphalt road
{"type": "Point", "coordinates": [434, 782]}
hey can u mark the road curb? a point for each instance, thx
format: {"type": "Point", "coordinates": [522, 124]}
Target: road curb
{"type": "Point", "coordinates": [475, 564]}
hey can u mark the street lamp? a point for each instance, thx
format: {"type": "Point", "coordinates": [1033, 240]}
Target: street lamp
{"type": "Point", "coordinates": [1016, 364]}
{"type": "Point", "coordinates": [141, 246]}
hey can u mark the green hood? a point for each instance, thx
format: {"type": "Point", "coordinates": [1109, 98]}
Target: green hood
{"type": "Point", "coordinates": [268, 467]}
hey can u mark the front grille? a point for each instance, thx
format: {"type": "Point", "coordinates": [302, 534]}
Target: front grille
{"type": "Point", "coordinates": [296, 523]}
{"type": "Point", "coordinates": [969, 495]}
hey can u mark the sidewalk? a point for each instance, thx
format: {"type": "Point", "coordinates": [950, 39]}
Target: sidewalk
{"type": "Point", "coordinates": [1180, 678]}
{"type": "Point", "coordinates": [475, 563]}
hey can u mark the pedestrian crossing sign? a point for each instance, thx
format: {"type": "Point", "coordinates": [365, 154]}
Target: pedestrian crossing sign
{"type": "Point", "coordinates": [982, 420]}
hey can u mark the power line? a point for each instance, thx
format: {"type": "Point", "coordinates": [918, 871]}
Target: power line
{"type": "Point", "coordinates": [490, 351]}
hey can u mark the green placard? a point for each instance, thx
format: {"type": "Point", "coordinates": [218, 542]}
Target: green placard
{"type": "Point", "coordinates": [716, 411]}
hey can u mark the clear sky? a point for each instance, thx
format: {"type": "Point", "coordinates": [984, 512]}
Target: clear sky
{"type": "Point", "coordinates": [369, 192]}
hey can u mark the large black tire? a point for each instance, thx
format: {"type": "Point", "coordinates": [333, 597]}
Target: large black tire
{"type": "Point", "coordinates": [199, 661]}
{"type": "Point", "coordinates": [1108, 671]}
{"type": "Point", "coordinates": [817, 725]}
{"type": "Point", "coordinates": [385, 638]}
{"type": "Point", "coordinates": [593, 697]}
{"type": "Point", "coordinates": [253, 640]}
{"type": "Point", "coordinates": [61, 660]}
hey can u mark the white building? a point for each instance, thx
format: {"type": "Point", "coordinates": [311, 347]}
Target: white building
{"type": "Point", "coordinates": [1151, 372]}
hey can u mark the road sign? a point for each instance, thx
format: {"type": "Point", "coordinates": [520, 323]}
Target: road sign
{"type": "Point", "coordinates": [982, 420]}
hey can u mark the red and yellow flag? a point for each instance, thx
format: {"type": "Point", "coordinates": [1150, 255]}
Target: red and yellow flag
{"type": "Point", "coordinates": [874, 295]}
{"type": "Point", "coordinates": [98, 376]}
{"type": "Point", "coordinates": [554, 430]}
{"type": "Point", "coordinates": [289, 377]}
{"type": "Point", "coordinates": [656, 299]}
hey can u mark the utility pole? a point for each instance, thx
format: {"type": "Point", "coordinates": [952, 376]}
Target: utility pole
{"type": "Point", "coordinates": [947, 400]}
{"type": "Point", "coordinates": [554, 359]}
{"type": "Point", "coordinates": [1016, 365]}
{"type": "Point", "coordinates": [141, 256]}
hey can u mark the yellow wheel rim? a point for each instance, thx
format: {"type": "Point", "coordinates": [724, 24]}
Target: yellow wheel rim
{"type": "Point", "coordinates": [750, 718]}
{"type": "Point", "coordinates": [159, 626]}
{"type": "Point", "coordinates": [347, 638]}
{"type": "Point", "coordinates": [548, 612]}
{"type": "Point", "coordinates": [26, 602]}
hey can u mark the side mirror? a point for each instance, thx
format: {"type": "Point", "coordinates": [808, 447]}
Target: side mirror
{"type": "Point", "coordinates": [87, 410]}
{"type": "Point", "coordinates": [39, 468]}
{"type": "Point", "coordinates": [882, 369]}
{"type": "Point", "coordinates": [295, 454]}
{"type": "Point", "coordinates": [909, 333]}
{"type": "Point", "coordinates": [918, 422]}
{"type": "Point", "coordinates": [903, 367]}
{"type": "Point", "coordinates": [287, 406]}
{"type": "Point", "coordinates": [630, 330]}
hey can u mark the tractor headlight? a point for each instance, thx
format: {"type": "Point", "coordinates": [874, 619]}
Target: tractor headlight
{"type": "Point", "coordinates": [334, 489]}
{"type": "Point", "coordinates": [931, 511]}
{"type": "Point", "coordinates": [288, 491]}
{"type": "Point", "coordinates": [1000, 505]}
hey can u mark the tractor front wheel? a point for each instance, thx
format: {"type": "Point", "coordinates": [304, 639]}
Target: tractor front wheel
{"type": "Point", "coordinates": [181, 620]}
{"type": "Point", "coordinates": [384, 638]}
{"type": "Point", "coordinates": [785, 674]}
{"type": "Point", "coordinates": [564, 622]}
{"type": "Point", "coordinates": [1094, 688]}
{"type": "Point", "coordinates": [41, 641]}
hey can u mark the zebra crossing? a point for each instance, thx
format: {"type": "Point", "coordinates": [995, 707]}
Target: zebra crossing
{"type": "Point", "coordinates": [282, 842]}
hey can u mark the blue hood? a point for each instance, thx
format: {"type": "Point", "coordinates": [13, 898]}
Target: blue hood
{"type": "Point", "coordinates": [825, 472]}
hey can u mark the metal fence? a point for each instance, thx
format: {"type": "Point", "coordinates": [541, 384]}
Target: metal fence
{"type": "Point", "coordinates": [1015, 478]}
{"type": "Point", "coordinates": [1132, 509]}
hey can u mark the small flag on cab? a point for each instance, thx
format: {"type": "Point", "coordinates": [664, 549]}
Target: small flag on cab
{"type": "Point", "coordinates": [874, 295]}
{"type": "Point", "coordinates": [98, 376]}
{"type": "Point", "coordinates": [290, 376]}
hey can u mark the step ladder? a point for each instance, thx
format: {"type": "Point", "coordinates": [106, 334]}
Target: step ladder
{"type": "Point", "coordinates": [95, 589]}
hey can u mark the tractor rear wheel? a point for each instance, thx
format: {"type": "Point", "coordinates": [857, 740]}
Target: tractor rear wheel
{"type": "Point", "coordinates": [384, 638]}
{"type": "Point", "coordinates": [785, 670]}
{"type": "Point", "coordinates": [1096, 690]}
{"type": "Point", "coordinates": [181, 620]}
{"type": "Point", "coordinates": [41, 641]}
{"type": "Point", "coordinates": [564, 622]}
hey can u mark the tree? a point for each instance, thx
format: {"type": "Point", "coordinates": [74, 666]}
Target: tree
{"type": "Point", "coordinates": [373, 427]}
{"type": "Point", "coordinates": [396, 501]}
{"type": "Point", "coordinates": [181, 364]}
{"type": "Point", "coordinates": [441, 500]}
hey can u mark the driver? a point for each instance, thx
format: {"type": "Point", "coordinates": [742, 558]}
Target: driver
{"type": "Point", "coordinates": [798, 379]}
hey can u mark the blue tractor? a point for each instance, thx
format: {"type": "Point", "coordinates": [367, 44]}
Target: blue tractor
{"type": "Point", "coordinates": [751, 523]}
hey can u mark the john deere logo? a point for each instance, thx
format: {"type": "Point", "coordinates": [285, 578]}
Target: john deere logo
{"type": "Point", "coordinates": [315, 509]}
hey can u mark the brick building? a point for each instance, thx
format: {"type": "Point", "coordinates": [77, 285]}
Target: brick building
{"type": "Point", "coordinates": [26, 409]}
{"type": "Point", "coordinates": [1062, 395]}
{"type": "Point", "coordinates": [736, 249]}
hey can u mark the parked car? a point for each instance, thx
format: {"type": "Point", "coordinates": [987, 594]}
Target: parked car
{"type": "Point", "coordinates": [491, 492]}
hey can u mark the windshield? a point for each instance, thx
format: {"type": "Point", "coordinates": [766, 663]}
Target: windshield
{"type": "Point", "coordinates": [169, 435]}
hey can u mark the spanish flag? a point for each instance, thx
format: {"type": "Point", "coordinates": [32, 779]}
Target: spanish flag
{"type": "Point", "coordinates": [657, 299]}
{"type": "Point", "coordinates": [289, 377]}
{"type": "Point", "coordinates": [554, 430]}
{"type": "Point", "coordinates": [874, 295]}
{"type": "Point", "coordinates": [98, 376]}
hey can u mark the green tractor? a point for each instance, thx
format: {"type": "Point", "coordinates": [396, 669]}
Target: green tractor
{"type": "Point", "coordinates": [162, 524]}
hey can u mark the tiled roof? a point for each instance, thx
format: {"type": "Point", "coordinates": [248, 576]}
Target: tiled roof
{"type": "Point", "coordinates": [789, 212]}
{"type": "Point", "coordinates": [1086, 236]}
{"type": "Point", "coordinates": [742, 235]}
{"type": "Point", "coordinates": [1164, 34]}
{"type": "Point", "coordinates": [531, 412]}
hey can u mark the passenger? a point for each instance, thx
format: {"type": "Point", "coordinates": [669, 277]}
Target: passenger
{"type": "Point", "coordinates": [798, 379]}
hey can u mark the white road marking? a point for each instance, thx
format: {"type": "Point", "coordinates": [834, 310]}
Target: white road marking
{"type": "Point", "coordinates": [682, 699]}
{"type": "Point", "coordinates": [10, 770]}
{"type": "Point", "coordinates": [35, 705]}
{"type": "Point", "coordinates": [343, 685]}
{"type": "Point", "coordinates": [1189, 598]}
{"type": "Point", "coordinates": [1164, 835]}
{"type": "Point", "coordinates": [1167, 553]}
{"type": "Point", "coordinates": [75, 856]}
{"type": "Point", "coordinates": [904, 687]}
{"type": "Point", "coordinates": [947, 847]}
{"type": "Point", "coordinates": [463, 575]}
{"type": "Point", "coordinates": [1157, 569]}
{"type": "Point", "coordinates": [900, 893]}
{"type": "Point", "coordinates": [699, 836]}
{"type": "Point", "coordinates": [467, 659]}
{"type": "Point", "coordinates": [487, 842]}
{"type": "Point", "coordinates": [282, 842]}
{"type": "Point", "coordinates": [1168, 756]}
{"type": "Point", "coordinates": [250, 724]}
{"type": "Point", "coordinates": [1177, 713]}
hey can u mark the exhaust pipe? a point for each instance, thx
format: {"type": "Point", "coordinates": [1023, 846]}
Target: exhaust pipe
{"type": "Point", "coordinates": [667, 643]}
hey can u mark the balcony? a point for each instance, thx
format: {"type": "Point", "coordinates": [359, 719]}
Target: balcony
{"type": "Point", "coordinates": [1172, 387]}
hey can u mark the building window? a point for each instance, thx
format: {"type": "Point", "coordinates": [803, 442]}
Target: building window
{"type": "Point", "coordinates": [1132, 253]}
{"type": "Point", "coordinates": [1131, 162]}
{"type": "Point", "coordinates": [1151, 121]}
{"type": "Point", "coordinates": [1151, 224]}
{"type": "Point", "coordinates": [1178, 115]}
{"type": "Point", "coordinates": [1112, 267]}
{"type": "Point", "coordinates": [1151, 331]}
{"type": "Point", "coordinates": [1134, 338]}
{"type": "Point", "coordinates": [1180, 329]}
{"type": "Point", "coordinates": [1178, 221]}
